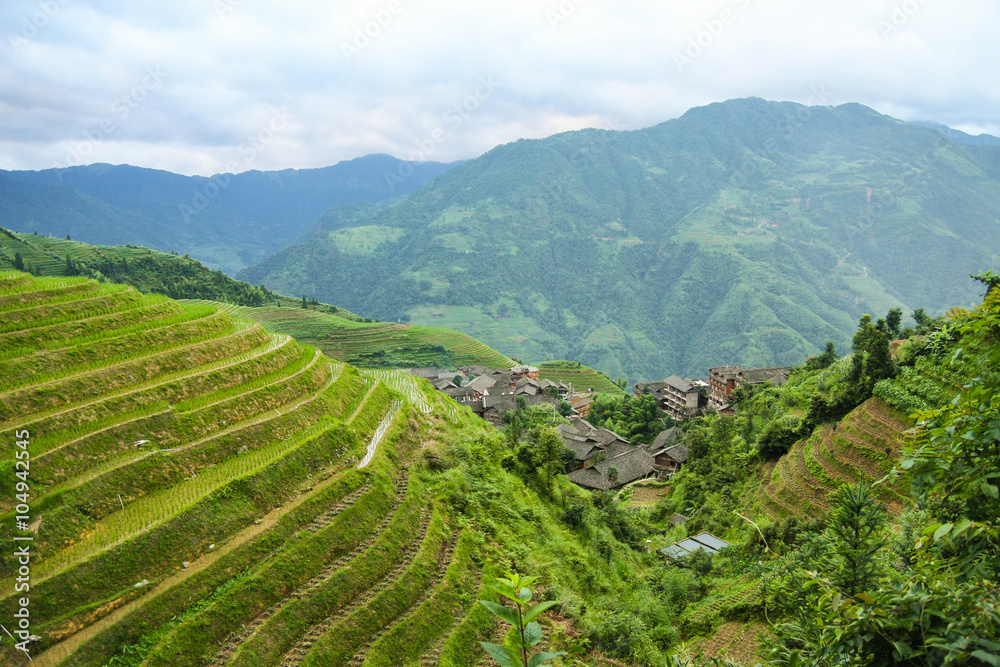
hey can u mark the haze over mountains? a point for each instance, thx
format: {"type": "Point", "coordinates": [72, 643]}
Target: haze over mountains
{"type": "Point", "coordinates": [745, 232]}
{"type": "Point", "coordinates": [226, 220]}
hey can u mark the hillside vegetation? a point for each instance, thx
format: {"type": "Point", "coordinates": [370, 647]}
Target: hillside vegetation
{"type": "Point", "coordinates": [746, 232]}
{"type": "Point", "coordinates": [200, 491]}
{"type": "Point", "coordinates": [360, 342]}
{"type": "Point", "coordinates": [227, 220]}
{"type": "Point", "coordinates": [143, 268]}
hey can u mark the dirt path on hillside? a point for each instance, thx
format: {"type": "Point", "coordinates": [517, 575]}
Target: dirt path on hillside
{"type": "Point", "coordinates": [66, 648]}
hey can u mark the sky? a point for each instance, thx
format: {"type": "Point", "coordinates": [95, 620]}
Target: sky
{"type": "Point", "coordinates": [209, 86]}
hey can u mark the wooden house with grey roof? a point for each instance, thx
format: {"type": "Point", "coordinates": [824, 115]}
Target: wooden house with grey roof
{"type": "Point", "coordinates": [628, 466]}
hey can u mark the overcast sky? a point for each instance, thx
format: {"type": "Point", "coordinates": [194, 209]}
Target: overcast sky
{"type": "Point", "coordinates": [203, 86]}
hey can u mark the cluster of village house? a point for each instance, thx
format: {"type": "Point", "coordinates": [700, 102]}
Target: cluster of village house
{"type": "Point", "coordinates": [604, 459]}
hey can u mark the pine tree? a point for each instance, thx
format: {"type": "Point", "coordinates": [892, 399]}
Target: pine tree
{"type": "Point", "coordinates": [18, 261]}
{"type": "Point", "coordinates": [857, 526]}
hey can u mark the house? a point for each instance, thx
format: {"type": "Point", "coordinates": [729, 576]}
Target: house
{"type": "Point", "coordinates": [492, 406]}
{"type": "Point", "coordinates": [444, 385]}
{"type": "Point", "coordinates": [723, 380]}
{"type": "Point", "coordinates": [681, 399]}
{"type": "Point", "coordinates": [632, 464]}
{"type": "Point", "coordinates": [519, 372]}
{"type": "Point", "coordinates": [560, 387]}
{"type": "Point", "coordinates": [702, 541]}
{"type": "Point", "coordinates": [581, 403]}
{"type": "Point", "coordinates": [527, 386]}
{"type": "Point", "coordinates": [669, 459]}
{"type": "Point", "coordinates": [589, 443]}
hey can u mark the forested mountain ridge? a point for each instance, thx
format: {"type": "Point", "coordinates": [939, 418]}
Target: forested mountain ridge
{"type": "Point", "coordinates": [226, 220]}
{"type": "Point", "coordinates": [745, 232]}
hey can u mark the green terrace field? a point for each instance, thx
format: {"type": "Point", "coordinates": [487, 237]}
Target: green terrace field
{"type": "Point", "coordinates": [582, 377]}
{"type": "Point", "coordinates": [202, 491]}
{"type": "Point", "coordinates": [349, 338]}
{"type": "Point", "coordinates": [865, 445]}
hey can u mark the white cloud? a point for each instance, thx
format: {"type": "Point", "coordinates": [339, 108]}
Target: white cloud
{"type": "Point", "coordinates": [560, 64]}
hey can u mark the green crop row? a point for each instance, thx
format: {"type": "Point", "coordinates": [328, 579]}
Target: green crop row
{"type": "Point", "coordinates": [65, 291]}
{"type": "Point", "coordinates": [152, 397]}
{"type": "Point", "coordinates": [193, 643]}
{"type": "Point", "coordinates": [49, 365]}
{"type": "Point", "coordinates": [90, 504]}
{"type": "Point", "coordinates": [409, 638]}
{"type": "Point", "coordinates": [80, 387]}
{"type": "Point", "coordinates": [300, 612]}
{"type": "Point", "coordinates": [151, 308]}
{"type": "Point", "coordinates": [157, 554]}
{"type": "Point", "coordinates": [349, 635]}
{"type": "Point", "coordinates": [183, 535]}
{"type": "Point", "coordinates": [107, 299]}
{"type": "Point", "coordinates": [179, 428]}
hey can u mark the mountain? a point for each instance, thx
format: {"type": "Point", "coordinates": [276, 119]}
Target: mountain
{"type": "Point", "coordinates": [337, 332]}
{"type": "Point", "coordinates": [226, 220]}
{"type": "Point", "coordinates": [958, 135]}
{"type": "Point", "coordinates": [747, 232]}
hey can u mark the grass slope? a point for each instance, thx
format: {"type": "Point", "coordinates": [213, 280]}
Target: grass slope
{"type": "Point", "coordinates": [196, 496]}
{"type": "Point", "coordinates": [142, 268]}
{"type": "Point", "coordinates": [346, 337]}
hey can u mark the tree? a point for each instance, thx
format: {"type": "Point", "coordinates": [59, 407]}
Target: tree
{"type": "Point", "coordinates": [872, 360]}
{"type": "Point", "coordinates": [525, 632]}
{"type": "Point", "coordinates": [894, 320]}
{"type": "Point", "coordinates": [857, 524]}
{"type": "Point", "coordinates": [988, 278]}
{"type": "Point", "coordinates": [824, 359]}
{"type": "Point", "coordinates": [18, 261]}
{"type": "Point", "coordinates": [613, 475]}
{"type": "Point", "coordinates": [305, 304]}
{"type": "Point", "coordinates": [548, 454]}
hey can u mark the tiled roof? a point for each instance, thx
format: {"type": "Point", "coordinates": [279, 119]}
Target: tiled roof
{"type": "Point", "coordinates": [633, 464]}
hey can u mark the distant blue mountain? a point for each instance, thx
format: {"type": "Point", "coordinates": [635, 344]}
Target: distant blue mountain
{"type": "Point", "coordinates": [958, 135]}
{"type": "Point", "coordinates": [227, 220]}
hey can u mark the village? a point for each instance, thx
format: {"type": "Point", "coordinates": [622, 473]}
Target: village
{"type": "Point", "coordinates": [603, 459]}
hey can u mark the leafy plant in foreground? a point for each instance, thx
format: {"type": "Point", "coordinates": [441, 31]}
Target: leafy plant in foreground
{"type": "Point", "coordinates": [526, 632]}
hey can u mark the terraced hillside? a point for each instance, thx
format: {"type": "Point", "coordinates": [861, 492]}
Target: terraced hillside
{"type": "Point", "coordinates": [582, 377]}
{"type": "Point", "coordinates": [142, 268]}
{"type": "Point", "coordinates": [374, 344]}
{"type": "Point", "coordinates": [202, 490]}
{"type": "Point", "coordinates": [864, 445]}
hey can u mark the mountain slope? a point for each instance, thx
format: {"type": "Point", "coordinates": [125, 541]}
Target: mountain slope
{"type": "Point", "coordinates": [196, 490]}
{"type": "Point", "coordinates": [227, 220]}
{"type": "Point", "coordinates": [743, 232]}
